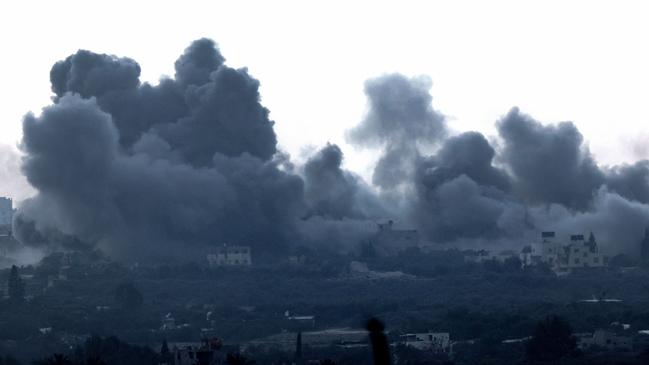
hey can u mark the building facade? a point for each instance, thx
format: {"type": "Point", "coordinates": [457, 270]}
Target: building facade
{"type": "Point", "coordinates": [428, 341]}
{"type": "Point", "coordinates": [6, 211]}
{"type": "Point", "coordinates": [230, 256]}
{"type": "Point", "coordinates": [564, 257]}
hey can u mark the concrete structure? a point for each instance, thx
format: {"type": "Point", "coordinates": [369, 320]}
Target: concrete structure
{"type": "Point", "coordinates": [300, 321]}
{"type": "Point", "coordinates": [230, 256]}
{"type": "Point", "coordinates": [482, 256]}
{"type": "Point", "coordinates": [428, 341]}
{"type": "Point", "coordinates": [563, 258]}
{"type": "Point", "coordinates": [285, 341]}
{"type": "Point", "coordinates": [6, 211]}
{"type": "Point", "coordinates": [604, 339]}
{"type": "Point", "coordinates": [196, 354]}
{"type": "Point", "coordinates": [390, 238]}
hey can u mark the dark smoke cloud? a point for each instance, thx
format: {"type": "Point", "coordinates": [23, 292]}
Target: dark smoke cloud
{"type": "Point", "coordinates": [336, 193]}
{"type": "Point", "coordinates": [630, 181]}
{"type": "Point", "coordinates": [617, 222]}
{"type": "Point", "coordinates": [144, 171]}
{"type": "Point", "coordinates": [200, 59]}
{"type": "Point", "coordinates": [399, 120]}
{"type": "Point", "coordinates": [207, 108]}
{"type": "Point", "coordinates": [151, 171]}
{"type": "Point", "coordinates": [549, 163]}
{"type": "Point", "coordinates": [460, 194]}
{"type": "Point", "coordinates": [225, 116]}
{"type": "Point", "coordinates": [467, 154]}
{"type": "Point", "coordinates": [542, 177]}
{"type": "Point", "coordinates": [99, 194]}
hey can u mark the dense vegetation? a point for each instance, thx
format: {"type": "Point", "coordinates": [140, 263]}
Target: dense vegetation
{"type": "Point", "coordinates": [64, 303]}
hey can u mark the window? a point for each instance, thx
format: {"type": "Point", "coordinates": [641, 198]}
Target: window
{"type": "Point", "coordinates": [596, 260]}
{"type": "Point", "coordinates": [576, 261]}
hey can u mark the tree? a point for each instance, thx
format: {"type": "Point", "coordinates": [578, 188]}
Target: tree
{"type": "Point", "coordinates": [16, 287]}
{"type": "Point", "coordinates": [9, 360]}
{"type": "Point", "coordinates": [56, 359]}
{"type": "Point", "coordinates": [298, 348]}
{"type": "Point", "coordinates": [238, 359]}
{"type": "Point", "coordinates": [164, 350]}
{"type": "Point", "coordinates": [127, 295]}
{"type": "Point", "coordinates": [552, 340]}
{"type": "Point", "coordinates": [94, 361]}
{"type": "Point", "coordinates": [327, 362]}
{"type": "Point", "coordinates": [165, 354]}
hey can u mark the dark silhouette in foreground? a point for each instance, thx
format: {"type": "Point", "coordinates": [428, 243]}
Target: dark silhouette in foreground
{"type": "Point", "coordinates": [552, 340]}
{"type": "Point", "coordinates": [379, 342]}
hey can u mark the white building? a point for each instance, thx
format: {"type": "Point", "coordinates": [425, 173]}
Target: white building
{"type": "Point", "coordinates": [230, 256]}
{"type": "Point", "coordinates": [428, 341]}
{"type": "Point", "coordinates": [561, 258]}
{"type": "Point", "coordinates": [6, 211]}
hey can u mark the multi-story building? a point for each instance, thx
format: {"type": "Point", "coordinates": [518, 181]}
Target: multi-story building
{"type": "Point", "coordinates": [577, 253]}
{"type": "Point", "coordinates": [6, 211]}
{"type": "Point", "coordinates": [230, 256]}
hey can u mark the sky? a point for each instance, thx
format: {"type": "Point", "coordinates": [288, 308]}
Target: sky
{"type": "Point", "coordinates": [583, 61]}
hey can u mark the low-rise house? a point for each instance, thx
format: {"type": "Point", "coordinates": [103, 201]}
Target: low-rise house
{"type": "Point", "coordinates": [608, 340]}
{"type": "Point", "coordinates": [202, 353]}
{"type": "Point", "coordinates": [428, 341]}
{"type": "Point", "coordinates": [304, 321]}
{"type": "Point", "coordinates": [286, 341]}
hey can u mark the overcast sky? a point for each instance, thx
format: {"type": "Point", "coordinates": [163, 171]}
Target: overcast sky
{"type": "Point", "coordinates": [587, 62]}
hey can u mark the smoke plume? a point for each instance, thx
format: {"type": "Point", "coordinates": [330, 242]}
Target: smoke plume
{"type": "Point", "coordinates": [153, 171]}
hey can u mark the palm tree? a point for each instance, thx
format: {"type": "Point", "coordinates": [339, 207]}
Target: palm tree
{"type": "Point", "coordinates": [238, 359]}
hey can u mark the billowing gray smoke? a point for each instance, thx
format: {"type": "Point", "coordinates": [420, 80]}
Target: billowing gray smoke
{"type": "Point", "coordinates": [151, 171]}
{"type": "Point", "coordinates": [207, 108]}
{"type": "Point", "coordinates": [460, 194]}
{"type": "Point", "coordinates": [542, 177]}
{"type": "Point", "coordinates": [335, 193]}
{"type": "Point", "coordinates": [146, 170]}
{"type": "Point", "coordinates": [88, 187]}
{"type": "Point", "coordinates": [549, 163]}
{"type": "Point", "coordinates": [400, 121]}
